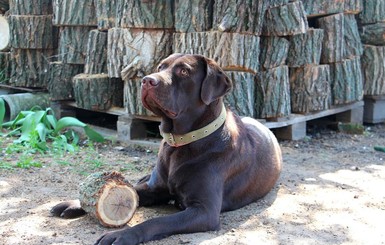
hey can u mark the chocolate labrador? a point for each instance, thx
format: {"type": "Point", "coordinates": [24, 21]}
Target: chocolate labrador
{"type": "Point", "coordinates": [210, 160]}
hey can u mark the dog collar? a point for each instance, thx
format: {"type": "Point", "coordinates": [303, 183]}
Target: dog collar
{"type": "Point", "coordinates": [176, 140]}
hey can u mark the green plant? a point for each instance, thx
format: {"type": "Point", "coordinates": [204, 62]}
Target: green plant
{"type": "Point", "coordinates": [27, 162]}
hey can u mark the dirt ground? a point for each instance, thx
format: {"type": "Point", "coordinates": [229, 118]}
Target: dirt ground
{"type": "Point", "coordinates": [331, 191]}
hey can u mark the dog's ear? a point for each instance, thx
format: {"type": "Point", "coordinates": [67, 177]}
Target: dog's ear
{"type": "Point", "coordinates": [216, 83]}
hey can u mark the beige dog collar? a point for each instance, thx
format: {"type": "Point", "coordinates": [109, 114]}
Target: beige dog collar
{"type": "Point", "coordinates": [184, 139]}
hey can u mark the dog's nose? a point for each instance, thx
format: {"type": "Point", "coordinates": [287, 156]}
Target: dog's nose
{"type": "Point", "coordinates": [150, 81]}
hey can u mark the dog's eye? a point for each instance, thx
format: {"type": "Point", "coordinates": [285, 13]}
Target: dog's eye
{"type": "Point", "coordinates": [184, 72]}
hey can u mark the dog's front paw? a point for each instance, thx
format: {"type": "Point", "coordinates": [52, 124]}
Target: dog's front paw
{"type": "Point", "coordinates": [120, 237]}
{"type": "Point", "coordinates": [68, 210]}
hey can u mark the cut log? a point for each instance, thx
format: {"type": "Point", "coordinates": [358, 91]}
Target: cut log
{"type": "Point", "coordinates": [30, 67]}
{"type": "Point", "coordinates": [373, 34]}
{"type": "Point", "coordinates": [289, 19]}
{"type": "Point", "coordinates": [60, 80]}
{"type": "Point", "coordinates": [73, 44]}
{"type": "Point", "coordinates": [232, 51]}
{"type": "Point", "coordinates": [352, 40]}
{"type": "Point", "coordinates": [133, 99]}
{"type": "Point", "coordinates": [109, 13]}
{"type": "Point", "coordinates": [74, 13]}
{"type": "Point", "coordinates": [4, 6]}
{"type": "Point", "coordinates": [30, 7]}
{"type": "Point", "coordinates": [108, 197]}
{"type": "Point", "coordinates": [373, 69]}
{"type": "Point", "coordinates": [4, 33]}
{"type": "Point", "coordinates": [242, 98]}
{"type": "Point", "coordinates": [310, 88]}
{"type": "Point", "coordinates": [321, 8]}
{"type": "Point", "coordinates": [273, 93]}
{"type": "Point", "coordinates": [274, 52]}
{"type": "Point", "coordinates": [305, 49]}
{"type": "Point", "coordinates": [373, 11]}
{"type": "Point", "coordinates": [276, 3]}
{"type": "Point", "coordinates": [96, 57]}
{"type": "Point", "coordinates": [353, 6]}
{"type": "Point", "coordinates": [193, 16]}
{"type": "Point", "coordinates": [333, 42]}
{"type": "Point", "coordinates": [133, 53]}
{"type": "Point", "coordinates": [32, 32]}
{"type": "Point", "coordinates": [97, 91]}
{"type": "Point", "coordinates": [5, 67]}
{"type": "Point", "coordinates": [239, 16]}
{"type": "Point", "coordinates": [346, 81]}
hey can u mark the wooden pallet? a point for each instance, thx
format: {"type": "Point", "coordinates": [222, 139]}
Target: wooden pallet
{"type": "Point", "coordinates": [374, 109]}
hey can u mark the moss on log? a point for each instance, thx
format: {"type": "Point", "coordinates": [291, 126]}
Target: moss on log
{"type": "Point", "coordinates": [96, 55]}
{"type": "Point", "coordinates": [30, 7]}
{"type": "Point", "coordinates": [274, 51]}
{"type": "Point", "coordinates": [373, 69]}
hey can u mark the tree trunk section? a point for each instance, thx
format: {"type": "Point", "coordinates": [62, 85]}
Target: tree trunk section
{"type": "Point", "coordinates": [74, 13]}
{"type": "Point", "coordinates": [30, 67]}
{"type": "Point", "coordinates": [305, 49]}
{"type": "Point", "coordinates": [373, 68]}
{"type": "Point", "coordinates": [5, 67]}
{"type": "Point", "coordinates": [133, 99]}
{"type": "Point", "coordinates": [346, 81]}
{"type": "Point", "coordinates": [373, 11]}
{"type": "Point", "coordinates": [73, 44]}
{"type": "Point", "coordinates": [30, 7]}
{"type": "Point", "coordinates": [133, 53]}
{"type": "Point", "coordinates": [273, 93]}
{"type": "Point", "coordinates": [242, 98]}
{"type": "Point", "coordinates": [4, 6]}
{"type": "Point", "coordinates": [353, 6]}
{"type": "Point", "coordinates": [352, 40]}
{"type": "Point", "coordinates": [333, 42]}
{"type": "Point", "coordinates": [96, 57]}
{"type": "Point", "coordinates": [32, 32]}
{"type": "Point", "coordinates": [97, 91]}
{"type": "Point", "coordinates": [108, 13]}
{"type": "Point", "coordinates": [232, 51]}
{"type": "Point", "coordinates": [310, 88]}
{"type": "Point", "coordinates": [193, 16]}
{"type": "Point", "coordinates": [60, 80]}
{"type": "Point", "coordinates": [4, 34]}
{"type": "Point", "coordinates": [373, 34]}
{"type": "Point", "coordinates": [321, 8]}
{"type": "Point", "coordinates": [276, 3]}
{"type": "Point", "coordinates": [285, 20]}
{"type": "Point", "coordinates": [108, 197]}
{"type": "Point", "coordinates": [274, 52]}
{"type": "Point", "coordinates": [239, 16]}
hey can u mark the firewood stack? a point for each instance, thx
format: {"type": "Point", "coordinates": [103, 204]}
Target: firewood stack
{"type": "Point", "coordinates": [33, 42]}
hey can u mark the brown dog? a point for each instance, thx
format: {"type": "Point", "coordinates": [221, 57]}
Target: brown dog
{"type": "Point", "coordinates": [210, 160]}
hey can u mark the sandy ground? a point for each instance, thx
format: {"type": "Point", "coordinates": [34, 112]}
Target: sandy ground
{"type": "Point", "coordinates": [331, 191]}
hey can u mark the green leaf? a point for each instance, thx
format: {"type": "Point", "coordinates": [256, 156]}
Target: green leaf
{"type": "Point", "coordinates": [2, 112]}
{"type": "Point", "coordinates": [93, 135]}
{"type": "Point", "coordinates": [42, 131]}
{"type": "Point", "coordinates": [52, 120]}
{"type": "Point", "coordinates": [66, 122]}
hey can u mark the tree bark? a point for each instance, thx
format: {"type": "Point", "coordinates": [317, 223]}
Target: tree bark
{"type": "Point", "coordinates": [310, 88]}
{"type": "Point", "coordinates": [373, 34]}
{"type": "Point", "coordinates": [5, 67]}
{"type": "Point", "coordinates": [193, 16]}
{"type": "Point", "coordinates": [96, 56]}
{"type": "Point", "coordinates": [108, 13]}
{"type": "Point", "coordinates": [274, 52]}
{"type": "Point", "coordinates": [74, 13]}
{"type": "Point", "coordinates": [273, 93]}
{"type": "Point", "coordinates": [352, 40]}
{"type": "Point", "coordinates": [276, 3]}
{"type": "Point", "coordinates": [289, 19]}
{"type": "Point", "coordinates": [4, 6]}
{"type": "Point", "coordinates": [305, 49]}
{"type": "Point", "coordinates": [373, 11]}
{"type": "Point", "coordinates": [321, 8]}
{"type": "Point", "coordinates": [32, 32]}
{"type": "Point", "coordinates": [97, 91]}
{"type": "Point", "coordinates": [60, 80]}
{"type": "Point", "coordinates": [133, 99]}
{"type": "Point", "coordinates": [373, 69]}
{"type": "Point", "coordinates": [30, 7]}
{"type": "Point", "coordinates": [353, 6]}
{"type": "Point", "coordinates": [73, 44]}
{"type": "Point", "coordinates": [108, 197]}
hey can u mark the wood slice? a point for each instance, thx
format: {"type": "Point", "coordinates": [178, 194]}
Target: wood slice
{"type": "Point", "coordinates": [5, 67]}
{"type": "Point", "coordinates": [32, 32]}
{"type": "Point", "coordinates": [4, 6]}
{"type": "Point", "coordinates": [109, 13]}
{"type": "Point", "coordinates": [74, 13]}
{"type": "Point", "coordinates": [73, 44]}
{"type": "Point", "coordinates": [310, 88]}
{"type": "Point", "coordinates": [108, 197]}
{"type": "Point", "coordinates": [373, 69]}
{"type": "Point", "coordinates": [289, 19]}
{"type": "Point", "coordinates": [30, 7]}
{"type": "Point", "coordinates": [193, 16]}
{"type": "Point", "coordinates": [321, 8]}
{"type": "Point", "coordinates": [60, 80]}
{"type": "Point", "coordinates": [242, 98]}
{"type": "Point", "coordinates": [352, 40]}
{"type": "Point", "coordinates": [333, 43]}
{"type": "Point", "coordinates": [232, 51]}
{"type": "Point", "coordinates": [273, 93]}
{"type": "Point", "coordinates": [133, 99]}
{"type": "Point", "coordinates": [97, 91]}
{"type": "Point", "coordinates": [96, 56]}
{"type": "Point", "coordinates": [133, 53]}
{"type": "Point", "coordinates": [274, 52]}
{"type": "Point", "coordinates": [4, 33]}
{"type": "Point", "coordinates": [30, 67]}
{"type": "Point", "coordinates": [239, 16]}
{"type": "Point", "coordinates": [305, 49]}
{"type": "Point", "coordinates": [346, 81]}
{"type": "Point", "coordinates": [353, 6]}
{"type": "Point", "coordinates": [373, 34]}
{"type": "Point", "coordinates": [373, 11]}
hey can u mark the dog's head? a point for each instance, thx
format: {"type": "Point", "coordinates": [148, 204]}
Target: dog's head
{"type": "Point", "coordinates": [184, 84]}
